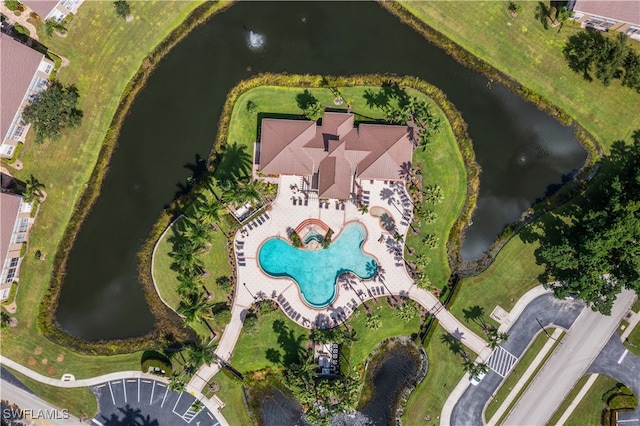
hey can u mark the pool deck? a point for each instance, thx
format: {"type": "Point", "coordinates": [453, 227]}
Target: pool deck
{"type": "Point", "coordinates": [254, 285]}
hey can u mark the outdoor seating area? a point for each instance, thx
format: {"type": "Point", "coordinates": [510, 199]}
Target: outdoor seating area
{"type": "Point", "coordinates": [327, 357]}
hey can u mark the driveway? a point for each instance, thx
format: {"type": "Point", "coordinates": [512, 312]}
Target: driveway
{"type": "Point", "coordinates": [622, 365]}
{"type": "Point", "coordinates": [548, 310]}
{"type": "Point", "coordinates": [140, 401]}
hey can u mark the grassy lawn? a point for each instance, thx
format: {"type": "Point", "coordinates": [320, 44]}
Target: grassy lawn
{"type": "Point", "coordinates": [523, 364]}
{"type": "Point", "coordinates": [513, 272]}
{"type": "Point", "coordinates": [633, 341]}
{"type": "Point", "coordinates": [368, 340]}
{"type": "Point", "coordinates": [442, 165]}
{"type": "Point", "coordinates": [79, 401]}
{"type": "Point", "coordinates": [104, 52]}
{"type": "Point", "coordinates": [589, 409]}
{"type": "Point", "coordinates": [443, 374]}
{"type": "Point", "coordinates": [524, 50]}
{"type": "Point", "coordinates": [277, 338]}
{"type": "Point", "coordinates": [215, 263]}
{"type": "Point", "coordinates": [231, 394]}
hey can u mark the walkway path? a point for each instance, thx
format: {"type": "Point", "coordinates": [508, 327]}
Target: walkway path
{"type": "Point", "coordinates": [392, 279]}
{"type": "Point", "coordinates": [22, 19]}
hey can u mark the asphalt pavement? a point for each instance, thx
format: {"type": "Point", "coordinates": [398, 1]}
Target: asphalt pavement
{"type": "Point", "coordinates": [568, 363]}
{"type": "Point", "coordinates": [546, 309]}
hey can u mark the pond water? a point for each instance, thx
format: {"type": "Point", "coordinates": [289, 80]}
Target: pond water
{"type": "Point", "coordinates": [392, 373]}
{"type": "Point", "coordinates": [523, 152]}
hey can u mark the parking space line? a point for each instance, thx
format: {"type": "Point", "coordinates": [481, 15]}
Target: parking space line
{"type": "Point", "coordinates": [176, 404]}
{"type": "Point", "coordinates": [210, 416]}
{"type": "Point", "coordinates": [124, 388]}
{"type": "Point", "coordinates": [166, 391]}
{"type": "Point", "coordinates": [111, 390]}
{"type": "Point", "coordinates": [624, 354]}
{"type": "Point", "coordinates": [138, 390]}
{"type": "Point", "coordinates": [97, 422]}
{"type": "Point", "coordinates": [152, 389]}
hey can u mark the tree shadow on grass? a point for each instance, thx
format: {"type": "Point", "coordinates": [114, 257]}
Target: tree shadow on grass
{"type": "Point", "coordinates": [235, 163]}
{"type": "Point", "coordinates": [305, 99]}
{"type": "Point", "coordinates": [291, 345]}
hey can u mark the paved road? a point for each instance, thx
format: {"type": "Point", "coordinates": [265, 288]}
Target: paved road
{"type": "Point", "coordinates": [36, 411]}
{"type": "Point", "coordinates": [568, 363]}
{"type": "Point", "coordinates": [617, 362]}
{"type": "Point", "coordinates": [547, 309]}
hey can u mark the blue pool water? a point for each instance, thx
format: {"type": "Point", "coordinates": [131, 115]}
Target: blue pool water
{"type": "Point", "coordinates": [316, 271]}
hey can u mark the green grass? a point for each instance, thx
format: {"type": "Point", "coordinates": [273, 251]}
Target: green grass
{"type": "Point", "coordinates": [252, 351]}
{"type": "Point", "coordinates": [512, 274]}
{"type": "Point", "coordinates": [523, 364]}
{"type": "Point", "coordinates": [443, 374]}
{"type": "Point", "coordinates": [231, 394]}
{"type": "Point", "coordinates": [442, 165]}
{"type": "Point", "coordinates": [215, 263]}
{"type": "Point", "coordinates": [636, 306]}
{"type": "Point", "coordinates": [590, 408]}
{"type": "Point", "coordinates": [104, 53]}
{"type": "Point", "coordinates": [633, 341]}
{"type": "Point", "coordinates": [533, 56]}
{"type": "Point", "coordinates": [78, 401]}
{"type": "Point", "coordinates": [368, 340]}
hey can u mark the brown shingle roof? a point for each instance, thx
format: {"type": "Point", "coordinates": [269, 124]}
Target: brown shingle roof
{"type": "Point", "coordinates": [41, 7]}
{"type": "Point", "coordinates": [18, 64]}
{"type": "Point", "coordinates": [625, 11]}
{"type": "Point", "coordinates": [9, 207]}
{"type": "Point", "coordinates": [336, 150]}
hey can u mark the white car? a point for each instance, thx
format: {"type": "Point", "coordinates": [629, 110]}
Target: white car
{"type": "Point", "coordinates": [477, 379]}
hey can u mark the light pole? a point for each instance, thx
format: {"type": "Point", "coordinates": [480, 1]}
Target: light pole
{"type": "Point", "coordinates": [246, 288]}
{"type": "Point", "coordinates": [545, 331]}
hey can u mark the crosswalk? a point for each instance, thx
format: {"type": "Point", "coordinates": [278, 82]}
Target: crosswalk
{"type": "Point", "coordinates": [501, 361]}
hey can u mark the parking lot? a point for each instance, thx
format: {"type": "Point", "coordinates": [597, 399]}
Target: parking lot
{"type": "Point", "coordinates": [146, 402]}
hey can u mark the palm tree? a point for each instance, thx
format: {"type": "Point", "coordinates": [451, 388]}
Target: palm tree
{"type": "Point", "coordinates": [422, 260]}
{"type": "Point", "coordinates": [433, 194]}
{"type": "Point", "coordinates": [430, 241]}
{"type": "Point", "coordinates": [187, 284]}
{"type": "Point", "coordinates": [373, 322]}
{"type": "Point", "coordinates": [364, 209]}
{"type": "Point", "coordinates": [200, 353]}
{"type": "Point", "coordinates": [207, 212]}
{"type": "Point", "coordinates": [196, 232]}
{"type": "Point", "coordinates": [423, 281]}
{"type": "Point", "coordinates": [186, 261]}
{"type": "Point", "coordinates": [427, 216]}
{"type": "Point", "coordinates": [33, 189]}
{"type": "Point", "coordinates": [195, 308]}
{"type": "Point", "coordinates": [176, 384]}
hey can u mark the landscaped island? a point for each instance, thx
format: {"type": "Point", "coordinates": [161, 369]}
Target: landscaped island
{"type": "Point", "coordinates": [435, 180]}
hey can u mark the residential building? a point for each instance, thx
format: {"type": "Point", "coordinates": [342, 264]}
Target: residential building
{"type": "Point", "coordinates": [24, 73]}
{"type": "Point", "coordinates": [15, 223]}
{"type": "Point", "coordinates": [53, 9]}
{"type": "Point", "coordinates": [621, 16]}
{"type": "Point", "coordinates": [332, 158]}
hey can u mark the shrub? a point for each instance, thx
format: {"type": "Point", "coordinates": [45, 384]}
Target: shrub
{"type": "Point", "coordinates": [250, 324]}
{"type": "Point", "coordinates": [152, 360]}
{"type": "Point", "coordinates": [21, 31]}
{"type": "Point", "coordinates": [13, 5]}
{"type": "Point", "coordinates": [295, 239]}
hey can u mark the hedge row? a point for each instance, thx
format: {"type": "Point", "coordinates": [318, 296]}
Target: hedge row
{"type": "Point", "coordinates": [165, 328]}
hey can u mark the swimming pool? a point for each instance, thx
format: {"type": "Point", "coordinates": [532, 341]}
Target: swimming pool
{"type": "Point", "coordinates": [316, 271]}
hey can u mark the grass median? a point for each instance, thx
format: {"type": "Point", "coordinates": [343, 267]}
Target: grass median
{"type": "Point", "coordinates": [516, 374]}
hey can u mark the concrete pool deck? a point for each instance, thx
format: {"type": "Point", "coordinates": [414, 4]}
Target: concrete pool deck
{"type": "Point", "coordinates": [253, 284]}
